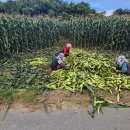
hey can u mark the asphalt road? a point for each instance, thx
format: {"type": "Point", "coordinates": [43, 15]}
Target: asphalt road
{"type": "Point", "coordinates": [70, 119]}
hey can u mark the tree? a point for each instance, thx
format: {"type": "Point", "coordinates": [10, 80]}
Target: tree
{"type": "Point", "coordinates": [51, 7]}
{"type": "Point", "coordinates": [2, 9]}
{"type": "Point", "coordinates": [82, 8]}
{"type": "Point", "coordinates": [118, 12]}
{"type": "Point", "coordinates": [126, 11]}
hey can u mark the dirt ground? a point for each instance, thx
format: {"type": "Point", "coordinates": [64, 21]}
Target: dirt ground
{"type": "Point", "coordinates": [50, 101]}
{"type": "Point", "coordinates": [60, 99]}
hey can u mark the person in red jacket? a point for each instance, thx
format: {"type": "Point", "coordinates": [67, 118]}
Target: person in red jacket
{"type": "Point", "coordinates": [67, 49]}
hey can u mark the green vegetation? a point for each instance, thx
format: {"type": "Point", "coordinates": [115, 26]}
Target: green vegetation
{"type": "Point", "coordinates": [23, 34]}
{"type": "Point", "coordinates": [121, 12]}
{"type": "Point", "coordinates": [109, 34]}
{"type": "Point", "coordinates": [53, 8]}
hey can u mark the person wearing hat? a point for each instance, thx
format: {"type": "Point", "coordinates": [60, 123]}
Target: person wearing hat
{"type": "Point", "coordinates": [67, 49]}
{"type": "Point", "coordinates": [57, 63]}
{"type": "Point", "coordinates": [123, 65]}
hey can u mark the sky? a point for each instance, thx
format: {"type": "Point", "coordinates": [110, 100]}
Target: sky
{"type": "Point", "coordinates": [106, 5]}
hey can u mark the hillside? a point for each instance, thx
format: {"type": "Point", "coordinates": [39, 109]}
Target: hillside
{"type": "Point", "coordinates": [52, 8]}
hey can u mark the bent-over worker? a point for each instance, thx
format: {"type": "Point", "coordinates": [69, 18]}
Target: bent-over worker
{"type": "Point", "coordinates": [57, 63]}
{"type": "Point", "coordinates": [123, 65]}
{"type": "Point", "coordinates": [67, 49]}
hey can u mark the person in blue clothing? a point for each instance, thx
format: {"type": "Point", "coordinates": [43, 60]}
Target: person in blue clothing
{"type": "Point", "coordinates": [57, 63]}
{"type": "Point", "coordinates": [123, 65]}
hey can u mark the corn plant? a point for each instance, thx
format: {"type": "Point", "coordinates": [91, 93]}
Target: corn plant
{"type": "Point", "coordinates": [23, 34]}
{"type": "Point", "coordinates": [105, 33]}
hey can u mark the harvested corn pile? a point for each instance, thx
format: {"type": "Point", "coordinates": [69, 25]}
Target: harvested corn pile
{"type": "Point", "coordinates": [92, 71]}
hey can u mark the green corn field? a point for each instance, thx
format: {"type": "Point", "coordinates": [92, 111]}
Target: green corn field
{"type": "Point", "coordinates": [110, 34]}
{"type": "Point", "coordinates": [22, 34]}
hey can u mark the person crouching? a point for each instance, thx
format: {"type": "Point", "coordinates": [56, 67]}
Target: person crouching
{"type": "Point", "coordinates": [57, 63]}
{"type": "Point", "coordinates": [123, 65]}
{"type": "Point", "coordinates": [67, 49]}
